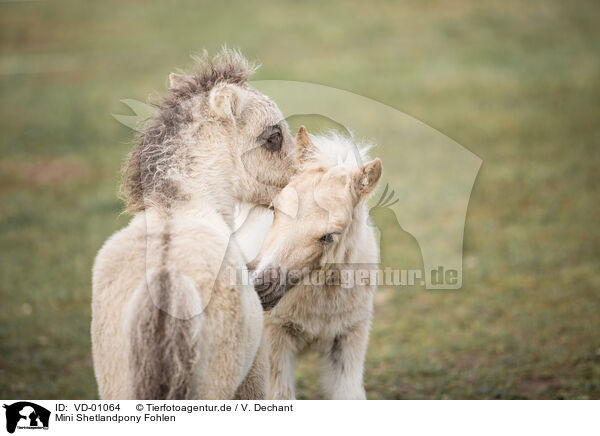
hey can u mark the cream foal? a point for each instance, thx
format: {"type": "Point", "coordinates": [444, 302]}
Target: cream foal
{"type": "Point", "coordinates": [320, 225]}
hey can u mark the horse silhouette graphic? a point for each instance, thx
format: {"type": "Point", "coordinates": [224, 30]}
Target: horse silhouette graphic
{"type": "Point", "coordinates": [28, 415]}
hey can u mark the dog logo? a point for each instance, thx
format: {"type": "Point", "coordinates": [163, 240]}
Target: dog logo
{"type": "Point", "coordinates": [26, 415]}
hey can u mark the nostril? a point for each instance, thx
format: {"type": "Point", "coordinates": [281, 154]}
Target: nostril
{"type": "Point", "coordinates": [261, 282]}
{"type": "Point", "coordinates": [262, 287]}
{"type": "Point", "coordinates": [266, 280]}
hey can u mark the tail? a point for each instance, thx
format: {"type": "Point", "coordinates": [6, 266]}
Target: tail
{"type": "Point", "coordinates": [163, 324]}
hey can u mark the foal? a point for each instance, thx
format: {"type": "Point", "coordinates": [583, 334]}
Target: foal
{"type": "Point", "coordinates": [320, 226]}
{"type": "Point", "coordinates": [168, 323]}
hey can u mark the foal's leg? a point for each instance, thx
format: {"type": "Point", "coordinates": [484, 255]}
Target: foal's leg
{"type": "Point", "coordinates": [219, 374]}
{"type": "Point", "coordinates": [256, 384]}
{"type": "Point", "coordinates": [221, 359]}
{"type": "Point", "coordinates": [282, 353]}
{"type": "Point", "coordinates": [343, 364]}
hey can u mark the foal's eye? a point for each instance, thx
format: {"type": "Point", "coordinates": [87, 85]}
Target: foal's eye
{"type": "Point", "coordinates": [272, 138]}
{"type": "Point", "coordinates": [274, 142]}
{"type": "Point", "coordinates": [326, 238]}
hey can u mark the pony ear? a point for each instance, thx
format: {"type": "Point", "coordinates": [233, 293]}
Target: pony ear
{"type": "Point", "coordinates": [226, 101]}
{"type": "Point", "coordinates": [177, 80]}
{"type": "Point", "coordinates": [367, 178]}
{"type": "Point", "coordinates": [303, 144]}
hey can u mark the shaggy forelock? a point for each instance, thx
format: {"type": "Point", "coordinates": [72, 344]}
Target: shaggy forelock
{"type": "Point", "coordinates": [146, 168]}
{"type": "Point", "coordinates": [228, 66]}
{"type": "Point", "coordinates": [334, 149]}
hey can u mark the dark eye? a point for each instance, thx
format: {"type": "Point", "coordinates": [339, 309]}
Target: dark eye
{"type": "Point", "coordinates": [326, 239]}
{"type": "Point", "coordinates": [272, 138]}
{"type": "Point", "coordinates": [274, 142]}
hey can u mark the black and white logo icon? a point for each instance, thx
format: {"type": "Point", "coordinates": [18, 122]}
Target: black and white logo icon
{"type": "Point", "coordinates": [26, 415]}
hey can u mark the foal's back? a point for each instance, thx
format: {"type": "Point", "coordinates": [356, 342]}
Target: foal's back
{"type": "Point", "coordinates": [159, 288]}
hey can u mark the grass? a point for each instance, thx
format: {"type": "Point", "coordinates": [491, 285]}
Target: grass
{"type": "Point", "coordinates": [518, 83]}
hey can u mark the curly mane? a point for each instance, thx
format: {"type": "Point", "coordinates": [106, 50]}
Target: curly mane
{"type": "Point", "coordinates": [146, 170]}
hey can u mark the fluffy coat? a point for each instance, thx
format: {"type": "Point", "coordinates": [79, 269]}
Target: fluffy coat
{"type": "Point", "coordinates": [167, 322]}
{"type": "Point", "coordinates": [320, 224]}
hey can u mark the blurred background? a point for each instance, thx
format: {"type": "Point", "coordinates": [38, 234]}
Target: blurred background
{"type": "Point", "coordinates": [516, 82]}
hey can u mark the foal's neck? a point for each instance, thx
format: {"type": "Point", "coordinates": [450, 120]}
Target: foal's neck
{"type": "Point", "coordinates": [211, 186]}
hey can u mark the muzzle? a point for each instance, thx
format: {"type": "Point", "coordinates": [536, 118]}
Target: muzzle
{"type": "Point", "coordinates": [272, 283]}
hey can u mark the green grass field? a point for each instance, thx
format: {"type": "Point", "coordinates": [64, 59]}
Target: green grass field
{"type": "Point", "coordinates": [518, 83]}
